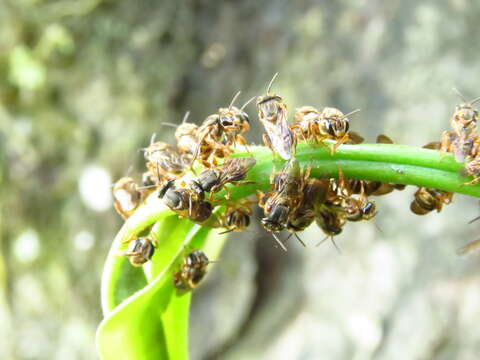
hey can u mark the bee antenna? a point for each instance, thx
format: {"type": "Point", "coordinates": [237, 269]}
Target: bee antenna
{"type": "Point", "coordinates": [473, 220]}
{"type": "Point", "coordinates": [335, 244]}
{"type": "Point", "coordinates": [185, 117]}
{"type": "Point", "coordinates": [233, 100]}
{"type": "Point", "coordinates": [474, 100]}
{"type": "Point", "coordinates": [225, 232]}
{"type": "Point", "coordinates": [248, 102]}
{"type": "Point", "coordinates": [460, 95]}
{"type": "Point", "coordinates": [301, 241]}
{"type": "Point", "coordinates": [322, 241]}
{"type": "Point", "coordinates": [271, 82]}
{"type": "Point", "coordinates": [279, 242]}
{"type": "Point", "coordinates": [152, 138]}
{"type": "Point", "coordinates": [352, 112]}
{"type": "Point", "coordinates": [170, 124]}
{"type": "Point", "coordinates": [146, 187]}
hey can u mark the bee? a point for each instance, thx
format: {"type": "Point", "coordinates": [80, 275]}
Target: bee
{"type": "Point", "coordinates": [330, 222]}
{"type": "Point", "coordinates": [330, 123]}
{"type": "Point", "coordinates": [272, 113]}
{"type": "Point", "coordinates": [286, 197]}
{"type": "Point", "coordinates": [342, 200]}
{"type": "Point", "coordinates": [186, 135]}
{"type": "Point", "coordinates": [235, 122]}
{"type": "Point", "coordinates": [140, 251]}
{"type": "Point", "coordinates": [471, 168]}
{"type": "Point", "coordinates": [314, 192]}
{"type": "Point", "coordinates": [236, 217]}
{"type": "Point", "coordinates": [214, 179]}
{"type": "Point", "coordinates": [127, 197]}
{"type": "Point", "coordinates": [192, 271]}
{"type": "Point", "coordinates": [182, 201]}
{"type": "Point", "coordinates": [358, 209]}
{"type": "Point", "coordinates": [164, 161]}
{"type": "Point", "coordinates": [462, 141]}
{"type": "Point", "coordinates": [219, 132]}
{"type": "Point", "coordinates": [427, 200]}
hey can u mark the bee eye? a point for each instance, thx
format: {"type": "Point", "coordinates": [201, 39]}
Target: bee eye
{"type": "Point", "coordinates": [226, 122]}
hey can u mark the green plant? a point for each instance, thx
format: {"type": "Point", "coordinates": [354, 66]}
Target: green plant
{"type": "Point", "coordinates": [145, 317]}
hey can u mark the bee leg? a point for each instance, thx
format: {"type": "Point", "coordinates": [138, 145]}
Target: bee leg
{"type": "Point", "coordinates": [267, 141]}
{"type": "Point", "coordinates": [473, 182]}
{"type": "Point", "coordinates": [445, 144]}
{"type": "Point", "coordinates": [227, 193]}
{"type": "Point", "coordinates": [339, 142]}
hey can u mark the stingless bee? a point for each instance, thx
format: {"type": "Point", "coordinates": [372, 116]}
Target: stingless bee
{"type": "Point", "coordinates": [285, 198]}
{"type": "Point", "coordinates": [272, 113]}
{"type": "Point", "coordinates": [164, 161]}
{"type": "Point", "coordinates": [341, 198]}
{"type": "Point", "coordinates": [314, 193]}
{"type": "Point", "coordinates": [219, 132]}
{"type": "Point", "coordinates": [232, 171]}
{"type": "Point", "coordinates": [127, 197]}
{"type": "Point", "coordinates": [331, 222]}
{"type": "Point", "coordinates": [330, 123]}
{"type": "Point", "coordinates": [427, 200]}
{"type": "Point", "coordinates": [140, 251]}
{"type": "Point", "coordinates": [182, 201]}
{"type": "Point", "coordinates": [192, 271]}
{"type": "Point", "coordinates": [471, 168]}
{"type": "Point", "coordinates": [236, 217]}
{"type": "Point", "coordinates": [463, 140]}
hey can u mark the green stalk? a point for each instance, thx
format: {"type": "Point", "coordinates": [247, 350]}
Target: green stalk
{"type": "Point", "coordinates": [399, 164]}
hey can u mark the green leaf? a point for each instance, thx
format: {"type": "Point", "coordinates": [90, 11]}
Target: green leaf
{"type": "Point", "coordinates": [153, 322]}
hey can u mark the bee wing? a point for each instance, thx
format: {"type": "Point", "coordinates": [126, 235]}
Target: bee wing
{"type": "Point", "coordinates": [355, 137]}
{"type": "Point", "coordinates": [384, 139]}
{"type": "Point", "coordinates": [280, 134]}
{"type": "Point", "coordinates": [433, 145]}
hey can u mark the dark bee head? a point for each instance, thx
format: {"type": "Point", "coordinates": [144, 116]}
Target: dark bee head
{"type": "Point", "coordinates": [330, 222]}
{"type": "Point", "coordinates": [208, 179]}
{"type": "Point", "coordinates": [300, 223]}
{"type": "Point", "coordinates": [197, 259]}
{"type": "Point", "coordinates": [201, 211]}
{"type": "Point", "coordinates": [276, 220]}
{"type": "Point", "coordinates": [238, 219]}
{"type": "Point", "coordinates": [369, 210]}
{"type": "Point", "coordinates": [175, 199]}
{"type": "Point", "coordinates": [140, 251]}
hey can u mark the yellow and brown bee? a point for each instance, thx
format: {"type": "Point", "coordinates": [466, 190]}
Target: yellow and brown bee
{"type": "Point", "coordinates": [192, 271]}
{"type": "Point", "coordinates": [236, 216]}
{"type": "Point", "coordinates": [272, 113]}
{"type": "Point", "coordinates": [140, 251]}
{"type": "Point", "coordinates": [232, 171]}
{"type": "Point", "coordinates": [462, 141]}
{"type": "Point", "coordinates": [427, 200]}
{"type": "Point", "coordinates": [126, 197]}
{"type": "Point", "coordinates": [184, 203]}
{"type": "Point", "coordinates": [330, 123]}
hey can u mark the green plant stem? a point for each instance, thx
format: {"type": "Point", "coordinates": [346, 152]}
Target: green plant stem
{"type": "Point", "coordinates": [399, 164]}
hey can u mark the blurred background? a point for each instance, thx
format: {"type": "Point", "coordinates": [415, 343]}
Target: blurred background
{"type": "Point", "coordinates": [85, 83]}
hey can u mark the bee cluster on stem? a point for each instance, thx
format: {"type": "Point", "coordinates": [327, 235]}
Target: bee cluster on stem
{"type": "Point", "coordinates": [295, 200]}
